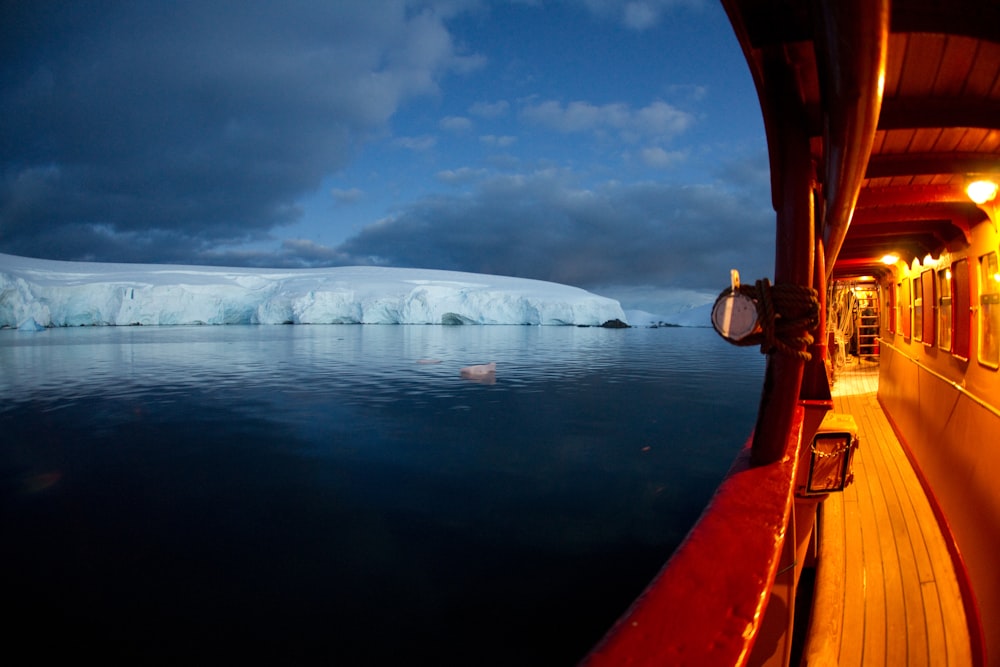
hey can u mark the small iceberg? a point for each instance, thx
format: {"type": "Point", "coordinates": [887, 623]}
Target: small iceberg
{"type": "Point", "coordinates": [482, 373]}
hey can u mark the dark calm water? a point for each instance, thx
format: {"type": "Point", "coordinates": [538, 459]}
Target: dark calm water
{"type": "Point", "coordinates": [315, 495]}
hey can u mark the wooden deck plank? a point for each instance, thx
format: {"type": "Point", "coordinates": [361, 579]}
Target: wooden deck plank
{"type": "Point", "coordinates": [906, 636]}
{"type": "Point", "coordinates": [902, 603]}
{"type": "Point", "coordinates": [874, 611]}
{"type": "Point", "coordinates": [851, 652]}
{"type": "Point", "coordinates": [937, 640]}
{"type": "Point", "coordinates": [917, 514]}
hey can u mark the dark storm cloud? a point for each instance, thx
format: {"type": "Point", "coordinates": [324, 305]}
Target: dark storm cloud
{"type": "Point", "coordinates": [540, 227]}
{"type": "Point", "coordinates": [200, 121]}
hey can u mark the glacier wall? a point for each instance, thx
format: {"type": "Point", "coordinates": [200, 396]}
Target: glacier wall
{"type": "Point", "coordinates": [50, 293]}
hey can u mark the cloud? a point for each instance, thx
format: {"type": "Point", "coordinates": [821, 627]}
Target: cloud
{"type": "Point", "coordinates": [658, 158]}
{"type": "Point", "coordinates": [638, 14]}
{"type": "Point", "coordinates": [460, 176]}
{"type": "Point", "coordinates": [653, 245]}
{"type": "Point", "coordinates": [422, 143]}
{"type": "Point", "coordinates": [348, 196]}
{"type": "Point", "coordinates": [657, 119]}
{"type": "Point", "coordinates": [490, 109]}
{"type": "Point", "coordinates": [501, 141]}
{"type": "Point", "coordinates": [455, 123]}
{"type": "Point", "coordinates": [688, 92]}
{"type": "Point", "coordinates": [204, 121]}
{"type": "Point", "coordinates": [542, 226]}
{"type": "Point", "coordinates": [305, 253]}
{"type": "Point", "coordinates": [294, 253]}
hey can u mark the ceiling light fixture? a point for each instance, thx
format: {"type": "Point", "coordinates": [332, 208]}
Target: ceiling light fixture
{"type": "Point", "coordinates": [981, 191]}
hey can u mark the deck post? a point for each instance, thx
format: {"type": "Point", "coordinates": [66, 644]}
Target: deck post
{"type": "Point", "coordinates": [792, 181]}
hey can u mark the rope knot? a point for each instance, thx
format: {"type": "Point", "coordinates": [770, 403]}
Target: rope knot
{"type": "Point", "coordinates": [785, 316]}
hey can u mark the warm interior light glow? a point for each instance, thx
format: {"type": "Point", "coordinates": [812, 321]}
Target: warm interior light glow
{"type": "Point", "coordinates": [890, 259]}
{"type": "Point", "coordinates": [947, 274]}
{"type": "Point", "coordinates": [981, 191]}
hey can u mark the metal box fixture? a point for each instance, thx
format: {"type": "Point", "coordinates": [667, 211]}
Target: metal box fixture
{"type": "Point", "coordinates": [831, 455]}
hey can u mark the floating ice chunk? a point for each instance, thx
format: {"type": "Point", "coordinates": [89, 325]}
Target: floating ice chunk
{"type": "Point", "coordinates": [483, 373]}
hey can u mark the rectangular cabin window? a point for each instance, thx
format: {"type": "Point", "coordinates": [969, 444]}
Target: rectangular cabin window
{"type": "Point", "coordinates": [944, 309]}
{"type": "Point", "coordinates": [897, 315]}
{"type": "Point", "coordinates": [905, 306]}
{"type": "Point", "coordinates": [930, 301]}
{"type": "Point", "coordinates": [918, 309]}
{"type": "Point", "coordinates": [961, 294]}
{"type": "Point", "coordinates": [989, 311]}
{"type": "Point", "coordinates": [889, 312]}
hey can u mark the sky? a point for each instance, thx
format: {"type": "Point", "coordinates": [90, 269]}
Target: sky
{"type": "Point", "coordinates": [613, 145]}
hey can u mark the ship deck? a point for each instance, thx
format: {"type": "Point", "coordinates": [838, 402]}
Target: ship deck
{"type": "Point", "coordinates": [901, 602]}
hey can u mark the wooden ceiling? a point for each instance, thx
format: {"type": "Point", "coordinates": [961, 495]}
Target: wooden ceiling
{"type": "Point", "coordinates": [938, 125]}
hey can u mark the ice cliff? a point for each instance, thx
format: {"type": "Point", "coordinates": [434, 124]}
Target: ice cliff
{"type": "Point", "coordinates": [46, 293]}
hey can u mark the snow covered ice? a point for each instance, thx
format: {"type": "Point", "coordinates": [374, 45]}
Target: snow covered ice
{"type": "Point", "coordinates": [38, 293]}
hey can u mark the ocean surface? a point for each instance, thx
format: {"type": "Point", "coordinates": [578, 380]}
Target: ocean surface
{"type": "Point", "coordinates": [342, 495]}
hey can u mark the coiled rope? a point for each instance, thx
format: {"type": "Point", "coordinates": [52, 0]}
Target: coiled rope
{"type": "Point", "coordinates": [785, 314]}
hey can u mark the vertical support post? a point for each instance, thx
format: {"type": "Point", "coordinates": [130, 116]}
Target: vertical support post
{"type": "Point", "coordinates": [794, 254]}
{"type": "Point", "coordinates": [794, 262]}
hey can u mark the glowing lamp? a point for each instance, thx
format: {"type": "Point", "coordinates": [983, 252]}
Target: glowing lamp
{"type": "Point", "coordinates": [831, 456]}
{"type": "Point", "coordinates": [890, 259]}
{"type": "Point", "coordinates": [981, 191]}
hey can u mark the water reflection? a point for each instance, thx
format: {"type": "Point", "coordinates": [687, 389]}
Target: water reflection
{"type": "Point", "coordinates": [305, 488]}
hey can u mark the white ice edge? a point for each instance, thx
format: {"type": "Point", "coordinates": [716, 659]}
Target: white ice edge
{"type": "Point", "coordinates": [37, 293]}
